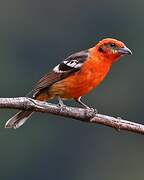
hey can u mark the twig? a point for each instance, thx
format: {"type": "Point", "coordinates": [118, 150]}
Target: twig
{"type": "Point", "coordinates": [84, 115]}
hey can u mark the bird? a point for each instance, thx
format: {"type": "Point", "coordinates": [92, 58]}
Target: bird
{"type": "Point", "coordinates": [75, 76]}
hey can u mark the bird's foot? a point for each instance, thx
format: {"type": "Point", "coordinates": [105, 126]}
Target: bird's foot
{"type": "Point", "coordinates": [61, 104]}
{"type": "Point", "coordinates": [93, 110]}
{"type": "Point", "coordinates": [85, 106]}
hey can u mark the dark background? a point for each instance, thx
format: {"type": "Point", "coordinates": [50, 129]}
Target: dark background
{"type": "Point", "coordinates": [36, 35]}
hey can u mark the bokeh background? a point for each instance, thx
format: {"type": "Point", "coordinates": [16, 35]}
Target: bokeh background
{"type": "Point", "coordinates": [35, 35]}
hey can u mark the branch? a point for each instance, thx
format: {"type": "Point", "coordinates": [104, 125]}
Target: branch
{"type": "Point", "coordinates": [84, 115]}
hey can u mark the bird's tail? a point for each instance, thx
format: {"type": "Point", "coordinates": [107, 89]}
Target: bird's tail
{"type": "Point", "coordinates": [18, 119]}
{"type": "Point", "coordinates": [21, 117]}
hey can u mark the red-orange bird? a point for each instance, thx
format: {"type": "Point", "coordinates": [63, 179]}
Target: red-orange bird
{"type": "Point", "coordinates": [76, 76]}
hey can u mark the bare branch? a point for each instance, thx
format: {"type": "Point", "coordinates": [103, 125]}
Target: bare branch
{"type": "Point", "coordinates": [85, 115]}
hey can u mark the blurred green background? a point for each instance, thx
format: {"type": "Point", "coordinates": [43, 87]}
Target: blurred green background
{"type": "Point", "coordinates": [35, 35]}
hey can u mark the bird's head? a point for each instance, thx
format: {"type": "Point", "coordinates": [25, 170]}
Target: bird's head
{"type": "Point", "coordinates": [112, 49]}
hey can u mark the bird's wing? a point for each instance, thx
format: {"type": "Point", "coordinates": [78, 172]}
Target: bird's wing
{"type": "Point", "coordinates": [67, 67]}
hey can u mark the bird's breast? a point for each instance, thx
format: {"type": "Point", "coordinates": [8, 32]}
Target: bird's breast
{"type": "Point", "coordinates": [82, 82]}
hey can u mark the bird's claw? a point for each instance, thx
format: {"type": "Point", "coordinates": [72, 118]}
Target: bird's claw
{"type": "Point", "coordinates": [61, 106]}
{"type": "Point", "coordinates": [95, 110]}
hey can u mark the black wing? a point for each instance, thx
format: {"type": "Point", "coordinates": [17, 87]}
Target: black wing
{"type": "Point", "coordinates": [70, 65]}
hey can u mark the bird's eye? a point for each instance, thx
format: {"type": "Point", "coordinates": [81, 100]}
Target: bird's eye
{"type": "Point", "coordinates": [112, 45]}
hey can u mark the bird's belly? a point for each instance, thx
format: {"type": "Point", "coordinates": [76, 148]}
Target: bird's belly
{"type": "Point", "coordinates": [79, 84]}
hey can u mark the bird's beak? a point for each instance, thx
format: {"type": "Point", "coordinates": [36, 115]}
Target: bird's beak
{"type": "Point", "coordinates": [124, 51]}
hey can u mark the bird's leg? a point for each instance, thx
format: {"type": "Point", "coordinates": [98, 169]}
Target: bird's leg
{"type": "Point", "coordinates": [60, 102]}
{"type": "Point", "coordinates": [81, 103]}
{"type": "Point", "coordinates": [84, 105]}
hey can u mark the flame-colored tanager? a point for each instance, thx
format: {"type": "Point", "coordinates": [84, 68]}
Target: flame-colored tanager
{"type": "Point", "coordinates": [76, 76]}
